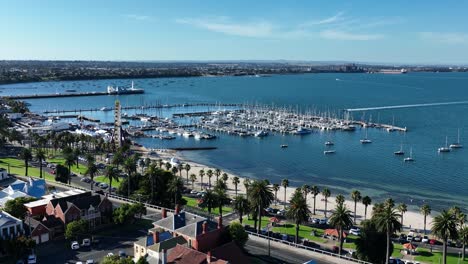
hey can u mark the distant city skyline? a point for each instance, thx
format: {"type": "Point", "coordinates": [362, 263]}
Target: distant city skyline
{"type": "Point", "coordinates": [429, 32]}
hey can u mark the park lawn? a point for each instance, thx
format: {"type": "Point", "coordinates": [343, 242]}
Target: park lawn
{"type": "Point", "coordinates": [17, 167]}
{"type": "Point", "coordinates": [59, 160]}
{"type": "Point", "coordinates": [194, 203]}
{"type": "Point", "coordinates": [426, 256]}
{"type": "Point", "coordinates": [115, 183]}
{"type": "Point", "coordinates": [290, 229]}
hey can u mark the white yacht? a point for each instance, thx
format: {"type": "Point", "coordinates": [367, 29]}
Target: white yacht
{"type": "Point", "coordinates": [122, 90]}
{"type": "Point", "coordinates": [329, 143]}
{"type": "Point", "coordinates": [444, 149]}
{"type": "Point", "coordinates": [261, 133]}
{"type": "Point", "coordinates": [326, 152]}
{"type": "Point", "coordinates": [105, 109]}
{"type": "Point", "coordinates": [410, 158]}
{"type": "Point", "coordinates": [302, 131]}
{"type": "Point", "coordinates": [365, 140]}
{"type": "Point", "coordinates": [399, 152]}
{"type": "Point", "coordinates": [457, 144]}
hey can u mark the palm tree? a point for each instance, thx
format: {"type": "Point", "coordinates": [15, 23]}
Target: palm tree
{"type": "Point", "coordinates": [26, 156]}
{"type": "Point", "coordinates": [298, 211]}
{"type": "Point", "coordinates": [187, 169]}
{"type": "Point", "coordinates": [220, 191]}
{"type": "Point", "coordinates": [91, 169]}
{"type": "Point", "coordinates": [174, 170]}
{"type": "Point", "coordinates": [180, 167]}
{"type": "Point", "coordinates": [425, 211]}
{"type": "Point", "coordinates": [402, 208]}
{"type": "Point", "coordinates": [326, 193]}
{"type": "Point", "coordinates": [260, 196]}
{"type": "Point", "coordinates": [339, 199]}
{"type": "Point", "coordinates": [285, 184]}
{"type": "Point", "coordinates": [241, 206]}
{"type": "Point", "coordinates": [69, 162]}
{"type": "Point", "coordinates": [356, 197]}
{"type": "Point", "coordinates": [315, 191]}
{"type": "Point", "coordinates": [130, 166]}
{"type": "Point", "coordinates": [389, 202]}
{"type": "Point", "coordinates": [246, 183]}
{"type": "Point", "coordinates": [168, 165]}
{"type": "Point", "coordinates": [111, 174]}
{"type": "Point", "coordinates": [210, 200]}
{"type": "Point", "coordinates": [235, 181]}
{"type": "Point", "coordinates": [217, 173]}
{"type": "Point", "coordinates": [40, 156]}
{"type": "Point", "coordinates": [225, 177]}
{"type": "Point", "coordinates": [276, 188]}
{"type": "Point", "coordinates": [193, 178]}
{"type": "Point", "coordinates": [202, 174]}
{"type": "Point", "coordinates": [209, 173]}
{"type": "Point", "coordinates": [305, 190]}
{"type": "Point", "coordinates": [175, 186]}
{"type": "Point", "coordinates": [76, 155]}
{"type": "Point", "coordinates": [142, 165]}
{"type": "Point", "coordinates": [463, 235]}
{"type": "Point", "coordinates": [341, 219]}
{"type": "Point", "coordinates": [387, 220]}
{"type": "Point", "coordinates": [366, 201]}
{"type": "Point", "coordinates": [444, 227]}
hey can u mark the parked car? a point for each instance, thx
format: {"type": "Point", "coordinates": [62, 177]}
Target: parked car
{"type": "Point", "coordinates": [434, 242]}
{"type": "Point", "coordinates": [323, 221]}
{"type": "Point", "coordinates": [86, 242]}
{"type": "Point", "coordinates": [97, 183]}
{"type": "Point", "coordinates": [425, 239]}
{"type": "Point", "coordinates": [355, 231]}
{"type": "Point", "coordinates": [32, 259]}
{"type": "Point", "coordinates": [110, 254]}
{"type": "Point", "coordinates": [410, 237]}
{"type": "Point", "coordinates": [122, 254]}
{"type": "Point", "coordinates": [193, 192]}
{"type": "Point", "coordinates": [402, 239]}
{"type": "Point", "coordinates": [90, 261]}
{"type": "Point", "coordinates": [103, 185]}
{"type": "Point", "coordinates": [75, 245]}
{"type": "Point", "coordinates": [417, 238]}
{"type": "Point", "coordinates": [113, 189]}
{"type": "Point", "coordinates": [281, 212]}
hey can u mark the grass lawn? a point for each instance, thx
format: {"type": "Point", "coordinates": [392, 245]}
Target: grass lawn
{"type": "Point", "coordinates": [426, 256]}
{"type": "Point", "coordinates": [193, 203]}
{"type": "Point", "coordinates": [17, 167]}
{"type": "Point", "coordinates": [290, 229]}
{"type": "Point", "coordinates": [115, 183]}
{"type": "Point", "coordinates": [59, 160]}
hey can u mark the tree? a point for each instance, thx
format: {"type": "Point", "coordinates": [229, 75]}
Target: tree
{"type": "Point", "coordinates": [130, 166]}
{"type": "Point", "coordinates": [174, 170]}
{"type": "Point", "coordinates": [305, 190]}
{"type": "Point", "coordinates": [69, 162]}
{"type": "Point", "coordinates": [339, 199]}
{"type": "Point", "coordinates": [76, 228]}
{"type": "Point", "coordinates": [387, 220]}
{"type": "Point", "coordinates": [26, 155]}
{"type": "Point", "coordinates": [40, 156]}
{"type": "Point", "coordinates": [238, 234]}
{"type": "Point", "coordinates": [315, 191]}
{"type": "Point", "coordinates": [111, 174]}
{"type": "Point", "coordinates": [19, 247]}
{"type": "Point", "coordinates": [425, 211]}
{"type": "Point", "coordinates": [260, 196]}
{"type": "Point", "coordinates": [389, 202]}
{"type": "Point", "coordinates": [241, 206]}
{"type": "Point", "coordinates": [76, 155]}
{"type": "Point", "coordinates": [175, 187]}
{"type": "Point", "coordinates": [356, 197]}
{"type": "Point", "coordinates": [235, 181]}
{"type": "Point", "coordinates": [167, 165]}
{"type": "Point", "coordinates": [246, 183]}
{"type": "Point", "coordinates": [366, 201]}
{"type": "Point", "coordinates": [298, 211]}
{"type": "Point", "coordinates": [220, 191]}
{"type": "Point", "coordinates": [116, 260]}
{"type": "Point", "coordinates": [371, 245]}
{"type": "Point", "coordinates": [217, 173]}
{"type": "Point", "coordinates": [341, 219]}
{"type": "Point", "coordinates": [444, 227]}
{"type": "Point", "coordinates": [209, 173]}
{"type": "Point", "coordinates": [209, 201]}
{"type": "Point", "coordinates": [201, 173]}
{"type": "Point", "coordinates": [285, 184]}
{"type": "Point", "coordinates": [126, 213]}
{"type": "Point", "coordinates": [463, 234]}
{"type": "Point", "coordinates": [187, 170]}
{"type": "Point", "coordinates": [326, 193]}
{"type": "Point", "coordinates": [225, 177]}
{"type": "Point", "coordinates": [16, 207]}
{"type": "Point", "coordinates": [62, 174]}
{"type": "Point", "coordinates": [402, 208]}
{"type": "Point", "coordinates": [142, 260]}
{"type": "Point", "coordinates": [193, 178]}
{"type": "Point", "coordinates": [91, 169]}
{"type": "Point", "coordinates": [276, 188]}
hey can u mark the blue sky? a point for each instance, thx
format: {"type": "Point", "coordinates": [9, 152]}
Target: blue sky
{"type": "Point", "coordinates": [367, 31]}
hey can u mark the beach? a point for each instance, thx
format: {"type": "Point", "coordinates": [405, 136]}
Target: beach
{"type": "Point", "coordinates": [411, 219]}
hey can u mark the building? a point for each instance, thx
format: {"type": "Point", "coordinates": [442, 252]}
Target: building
{"type": "Point", "coordinates": [184, 255]}
{"type": "Point", "coordinates": [155, 245]}
{"type": "Point", "coordinates": [32, 188]}
{"type": "Point", "coordinates": [3, 174]}
{"type": "Point", "coordinates": [10, 226]}
{"type": "Point", "coordinates": [38, 208]}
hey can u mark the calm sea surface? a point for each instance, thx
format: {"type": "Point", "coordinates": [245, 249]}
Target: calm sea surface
{"type": "Point", "coordinates": [440, 179]}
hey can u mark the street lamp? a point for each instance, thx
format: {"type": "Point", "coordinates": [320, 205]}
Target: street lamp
{"type": "Point", "coordinates": [459, 256]}
{"type": "Point", "coordinates": [268, 233]}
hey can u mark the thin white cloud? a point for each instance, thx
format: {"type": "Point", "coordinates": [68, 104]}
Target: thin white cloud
{"type": "Point", "coordinates": [342, 35]}
{"type": "Point", "coordinates": [329, 20]}
{"type": "Point", "coordinates": [137, 17]}
{"type": "Point", "coordinates": [225, 26]}
{"type": "Point", "coordinates": [445, 37]}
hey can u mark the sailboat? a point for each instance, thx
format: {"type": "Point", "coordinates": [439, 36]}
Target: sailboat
{"type": "Point", "coordinates": [444, 149]}
{"type": "Point", "coordinates": [410, 158]}
{"type": "Point", "coordinates": [366, 140]}
{"type": "Point", "coordinates": [399, 152]}
{"type": "Point", "coordinates": [457, 144]}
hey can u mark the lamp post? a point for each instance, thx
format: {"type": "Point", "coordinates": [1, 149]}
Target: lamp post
{"type": "Point", "coordinates": [459, 257]}
{"type": "Point", "coordinates": [268, 233]}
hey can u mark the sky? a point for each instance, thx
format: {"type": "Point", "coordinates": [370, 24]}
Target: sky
{"type": "Point", "coordinates": [394, 31]}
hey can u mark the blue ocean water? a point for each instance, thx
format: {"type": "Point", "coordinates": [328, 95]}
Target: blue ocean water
{"type": "Point", "coordinates": [439, 179]}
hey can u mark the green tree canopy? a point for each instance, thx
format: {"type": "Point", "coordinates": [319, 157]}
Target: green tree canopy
{"type": "Point", "coordinates": [16, 207]}
{"type": "Point", "coordinates": [371, 246]}
{"type": "Point", "coordinates": [238, 234]}
{"type": "Point", "coordinates": [76, 228]}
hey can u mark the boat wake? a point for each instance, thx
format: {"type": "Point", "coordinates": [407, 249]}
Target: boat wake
{"type": "Point", "coordinates": [403, 106]}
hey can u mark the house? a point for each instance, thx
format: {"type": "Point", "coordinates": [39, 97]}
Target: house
{"type": "Point", "coordinates": [3, 174]}
{"type": "Point", "coordinates": [184, 255]}
{"type": "Point", "coordinates": [10, 226]}
{"type": "Point", "coordinates": [38, 208]}
{"type": "Point", "coordinates": [154, 245]}
{"type": "Point", "coordinates": [44, 229]}
{"type": "Point", "coordinates": [201, 233]}
{"type": "Point", "coordinates": [31, 188]}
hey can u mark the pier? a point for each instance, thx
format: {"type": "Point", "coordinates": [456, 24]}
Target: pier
{"type": "Point", "coordinates": [56, 95]}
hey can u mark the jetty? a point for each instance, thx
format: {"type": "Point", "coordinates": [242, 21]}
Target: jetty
{"type": "Point", "coordinates": [56, 95]}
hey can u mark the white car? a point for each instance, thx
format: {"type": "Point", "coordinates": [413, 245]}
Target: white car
{"type": "Point", "coordinates": [103, 185]}
{"type": "Point", "coordinates": [193, 192]}
{"type": "Point", "coordinates": [110, 254]}
{"type": "Point", "coordinates": [425, 239]}
{"type": "Point", "coordinates": [32, 259]}
{"type": "Point", "coordinates": [86, 242]}
{"type": "Point", "coordinates": [323, 221]}
{"type": "Point", "coordinates": [79, 262]}
{"type": "Point", "coordinates": [90, 261]}
{"type": "Point", "coordinates": [355, 231]}
{"type": "Point", "coordinates": [75, 245]}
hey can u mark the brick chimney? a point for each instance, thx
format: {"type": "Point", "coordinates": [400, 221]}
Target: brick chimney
{"type": "Point", "coordinates": [204, 226]}
{"type": "Point", "coordinates": [164, 213]}
{"type": "Point", "coordinates": [208, 257]}
{"type": "Point", "coordinates": [220, 222]}
{"type": "Point", "coordinates": [177, 210]}
{"type": "Point", "coordinates": [156, 237]}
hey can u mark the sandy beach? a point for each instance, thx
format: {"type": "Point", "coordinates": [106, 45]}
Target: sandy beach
{"type": "Point", "coordinates": [411, 219]}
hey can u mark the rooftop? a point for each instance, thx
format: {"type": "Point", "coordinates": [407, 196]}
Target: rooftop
{"type": "Point", "coordinates": [6, 219]}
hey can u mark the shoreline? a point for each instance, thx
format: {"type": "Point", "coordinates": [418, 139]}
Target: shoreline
{"type": "Point", "coordinates": [411, 219]}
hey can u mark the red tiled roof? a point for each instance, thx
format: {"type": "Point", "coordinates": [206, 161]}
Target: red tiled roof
{"type": "Point", "coordinates": [184, 255]}
{"type": "Point", "coordinates": [230, 252]}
